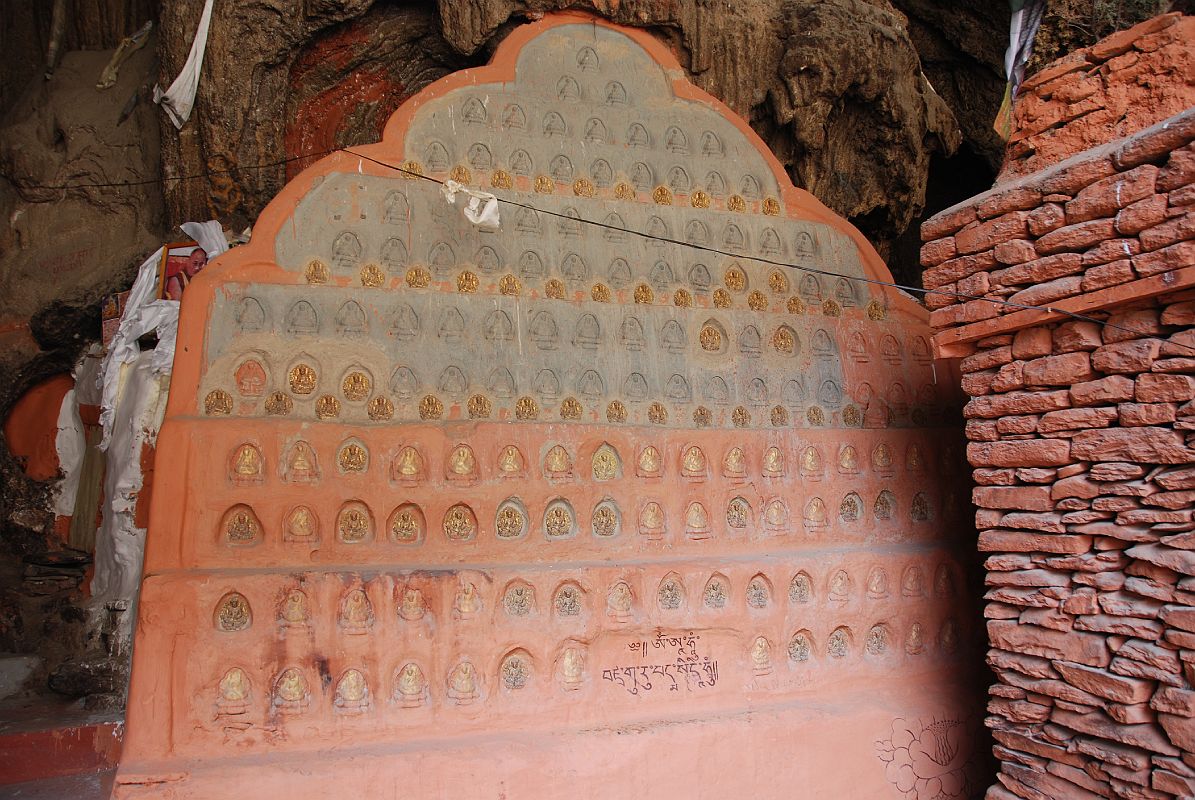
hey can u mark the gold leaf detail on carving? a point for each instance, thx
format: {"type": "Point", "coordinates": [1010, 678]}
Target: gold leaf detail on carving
{"type": "Point", "coordinates": [430, 407]}
{"type": "Point", "coordinates": [509, 285]}
{"type": "Point", "coordinates": [526, 408]}
{"type": "Point", "coordinates": [327, 407]}
{"type": "Point", "coordinates": [217, 403]}
{"type": "Point", "coordinates": [418, 278]}
{"type": "Point", "coordinates": [467, 282]}
{"type": "Point", "coordinates": [479, 407]}
{"type": "Point", "coordinates": [583, 187]}
{"type": "Point", "coordinates": [372, 276]}
{"type": "Point", "coordinates": [316, 272]}
{"type": "Point", "coordinates": [501, 179]}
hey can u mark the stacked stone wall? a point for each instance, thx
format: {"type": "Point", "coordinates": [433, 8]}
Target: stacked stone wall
{"type": "Point", "coordinates": [1114, 88]}
{"type": "Point", "coordinates": [1080, 435]}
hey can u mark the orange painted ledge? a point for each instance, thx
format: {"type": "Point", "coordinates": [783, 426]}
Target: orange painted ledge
{"type": "Point", "coordinates": [959, 342]}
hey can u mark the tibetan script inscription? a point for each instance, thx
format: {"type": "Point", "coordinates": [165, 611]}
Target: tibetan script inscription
{"type": "Point", "coordinates": [673, 661]}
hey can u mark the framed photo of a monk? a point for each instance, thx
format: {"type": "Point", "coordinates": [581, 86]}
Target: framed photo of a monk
{"type": "Point", "coordinates": [182, 262]}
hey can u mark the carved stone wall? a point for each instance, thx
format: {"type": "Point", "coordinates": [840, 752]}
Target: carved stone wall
{"type": "Point", "coordinates": [593, 501]}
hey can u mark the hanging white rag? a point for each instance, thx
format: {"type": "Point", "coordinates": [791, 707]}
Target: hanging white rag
{"type": "Point", "coordinates": [180, 97]}
{"type": "Point", "coordinates": [482, 208]}
{"type": "Point", "coordinates": [209, 235]}
{"type": "Point", "coordinates": [143, 313]}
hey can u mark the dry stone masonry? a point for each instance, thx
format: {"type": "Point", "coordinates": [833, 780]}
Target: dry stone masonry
{"type": "Point", "coordinates": [1080, 434]}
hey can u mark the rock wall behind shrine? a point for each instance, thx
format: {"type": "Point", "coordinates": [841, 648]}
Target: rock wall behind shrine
{"type": "Point", "coordinates": [1081, 434]}
{"type": "Point", "coordinates": [648, 486]}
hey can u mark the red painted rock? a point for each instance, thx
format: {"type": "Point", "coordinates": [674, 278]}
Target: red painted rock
{"type": "Point", "coordinates": [1059, 370]}
{"type": "Point", "coordinates": [1104, 197]}
{"type": "Point", "coordinates": [1179, 314]}
{"type": "Point", "coordinates": [1027, 498]}
{"type": "Point", "coordinates": [1123, 626]}
{"type": "Point", "coordinates": [1050, 217]}
{"type": "Point", "coordinates": [1137, 355]}
{"type": "Point", "coordinates": [1135, 324]}
{"type": "Point", "coordinates": [1180, 730]}
{"type": "Point", "coordinates": [1016, 251]}
{"type": "Point", "coordinates": [1082, 648]}
{"type": "Point", "coordinates": [1076, 237]}
{"type": "Point", "coordinates": [1032, 343]}
{"type": "Point", "coordinates": [1076, 486]}
{"type": "Point", "coordinates": [1154, 388]}
{"type": "Point", "coordinates": [1141, 215]}
{"type": "Point", "coordinates": [1033, 452]}
{"type": "Point", "coordinates": [1111, 250]}
{"type": "Point", "coordinates": [1148, 444]}
{"type": "Point", "coordinates": [1098, 724]}
{"type": "Point", "coordinates": [1178, 560]}
{"type": "Point", "coordinates": [1113, 389]}
{"type": "Point", "coordinates": [1024, 542]}
{"type": "Point", "coordinates": [1140, 414]}
{"type": "Point", "coordinates": [1017, 198]}
{"type": "Point", "coordinates": [1071, 419]}
{"type": "Point", "coordinates": [1150, 653]}
{"type": "Point", "coordinates": [937, 251]}
{"type": "Point", "coordinates": [947, 222]}
{"type": "Point", "coordinates": [1176, 479]}
{"type": "Point", "coordinates": [953, 269]}
{"type": "Point", "coordinates": [1174, 701]}
{"type": "Point", "coordinates": [1167, 233]}
{"type": "Point", "coordinates": [1125, 604]}
{"type": "Point", "coordinates": [1070, 178]}
{"type": "Point", "coordinates": [986, 359]}
{"type": "Point", "coordinates": [1022, 403]}
{"type": "Point", "coordinates": [1176, 256]}
{"type": "Point", "coordinates": [1040, 269]}
{"type": "Point", "coordinates": [987, 235]}
{"type": "Point", "coordinates": [1033, 521]}
{"type": "Point", "coordinates": [1105, 275]}
{"type": "Point", "coordinates": [1179, 616]}
{"type": "Point", "coordinates": [1076, 335]}
{"type": "Point", "coordinates": [1049, 292]}
{"type": "Point", "coordinates": [1157, 141]}
{"type": "Point", "coordinates": [1179, 170]}
{"type": "Point", "coordinates": [1116, 471]}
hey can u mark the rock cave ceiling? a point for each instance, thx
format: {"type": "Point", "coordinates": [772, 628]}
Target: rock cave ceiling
{"type": "Point", "coordinates": [857, 132]}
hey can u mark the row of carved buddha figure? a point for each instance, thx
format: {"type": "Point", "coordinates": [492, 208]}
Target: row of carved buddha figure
{"type": "Point", "coordinates": [549, 327]}
{"type": "Point", "coordinates": [425, 598]}
{"type": "Point", "coordinates": [570, 668]}
{"type": "Point", "coordinates": [458, 464]}
{"type": "Point", "coordinates": [562, 243]}
{"type": "Point", "coordinates": [407, 523]}
{"type": "Point", "coordinates": [501, 401]}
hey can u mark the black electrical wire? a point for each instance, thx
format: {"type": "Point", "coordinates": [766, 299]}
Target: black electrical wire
{"type": "Point", "coordinates": [706, 248]}
{"type": "Point", "coordinates": [772, 262]}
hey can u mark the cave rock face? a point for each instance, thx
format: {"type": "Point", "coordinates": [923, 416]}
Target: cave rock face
{"type": "Point", "coordinates": [835, 89]}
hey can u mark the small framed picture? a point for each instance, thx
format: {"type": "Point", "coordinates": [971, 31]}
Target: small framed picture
{"type": "Point", "coordinates": [110, 314]}
{"type": "Point", "coordinates": [181, 263]}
